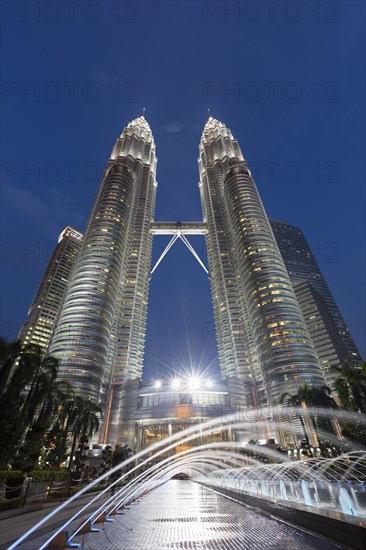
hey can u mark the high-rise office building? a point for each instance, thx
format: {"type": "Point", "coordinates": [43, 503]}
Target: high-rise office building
{"type": "Point", "coordinates": [302, 266]}
{"type": "Point", "coordinates": [323, 331]}
{"type": "Point", "coordinates": [47, 302]}
{"type": "Point", "coordinates": [262, 337]}
{"type": "Point", "coordinates": [99, 339]}
{"type": "Point", "coordinates": [260, 329]}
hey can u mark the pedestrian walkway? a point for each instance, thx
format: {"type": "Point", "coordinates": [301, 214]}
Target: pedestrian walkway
{"type": "Point", "coordinates": [183, 515]}
{"type": "Point", "coordinates": [12, 526]}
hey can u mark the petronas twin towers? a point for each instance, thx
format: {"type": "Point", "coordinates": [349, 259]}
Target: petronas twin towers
{"type": "Point", "coordinates": [100, 335]}
{"type": "Point", "coordinates": [261, 334]}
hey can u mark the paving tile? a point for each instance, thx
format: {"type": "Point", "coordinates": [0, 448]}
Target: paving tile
{"type": "Point", "coordinates": [182, 515]}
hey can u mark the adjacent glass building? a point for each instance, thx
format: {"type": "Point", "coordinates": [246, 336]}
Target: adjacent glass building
{"type": "Point", "coordinates": [302, 266]}
{"type": "Point", "coordinates": [48, 300]}
{"type": "Point", "coordinates": [323, 331]}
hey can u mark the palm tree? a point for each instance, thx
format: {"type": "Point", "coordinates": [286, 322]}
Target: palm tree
{"type": "Point", "coordinates": [351, 386]}
{"type": "Point", "coordinates": [85, 420]}
{"type": "Point", "coordinates": [296, 401]}
{"type": "Point", "coordinates": [55, 444]}
{"type": "Point", "coordinates": [11, 403]}
{"type": "Point", "coordinates": [35, 375]}
{"type": "Point", "coordinates": [313, 397]}
{"type": "Point", "coordinates": [8, 353]}
{"type": "Point", "coordinates": [45, 429]}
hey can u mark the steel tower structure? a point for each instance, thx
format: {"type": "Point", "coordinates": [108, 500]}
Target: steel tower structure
{"type": "Point", "coordinates": [262, 338]}
{"type": "Point", "coordinates": [99, 339]}
{"type": "Point", "coordinates": [260, 329]}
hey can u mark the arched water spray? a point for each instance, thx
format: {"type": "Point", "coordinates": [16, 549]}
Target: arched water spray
{"type": "Point", "coordinates": [127, 493]}
{"type": "Point", "coordinates": [263, 416]}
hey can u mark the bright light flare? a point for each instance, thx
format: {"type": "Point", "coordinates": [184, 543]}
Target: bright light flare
{"type": "Point", "coordinates": [194, 383]}
{"type": "Point", "coordinates": [157, 384]}
{"type": "Point", "coordinates": [175, 383]}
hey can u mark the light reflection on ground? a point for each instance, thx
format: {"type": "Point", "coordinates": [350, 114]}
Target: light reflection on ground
{"type": "Point", "coordinates": [183, 515]}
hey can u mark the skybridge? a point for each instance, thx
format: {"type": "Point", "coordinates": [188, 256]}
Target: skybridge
{"type": "Point", "coordinates": [185, 228]}
{"type": "Point", "coordinates": [179, 230]}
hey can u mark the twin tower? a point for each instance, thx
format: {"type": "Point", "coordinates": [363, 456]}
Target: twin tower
{"type": "Point", "coordinates": [261, 333]}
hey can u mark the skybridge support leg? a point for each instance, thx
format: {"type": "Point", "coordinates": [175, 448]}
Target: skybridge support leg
{"type": "Point", "coordinates": [170, 244]}
{"type": "Point", "coordinates": [192, 250]}
{"type": "Point", "coordinates": [176, 236]}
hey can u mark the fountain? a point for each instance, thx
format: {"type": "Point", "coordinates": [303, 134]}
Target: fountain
{"type": "Point", "coordinates": [322, 485]}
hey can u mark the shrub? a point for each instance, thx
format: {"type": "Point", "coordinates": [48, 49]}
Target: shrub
{"type": "Point", "coordinates": [49, 475]}
{"type": "Point", "coordinates": [8, 504]}
{"type": "Point", "coordinates": [9, 474]}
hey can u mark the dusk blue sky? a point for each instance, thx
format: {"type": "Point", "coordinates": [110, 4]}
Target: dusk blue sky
{"type": "Point", "coordinates": [298, 111]}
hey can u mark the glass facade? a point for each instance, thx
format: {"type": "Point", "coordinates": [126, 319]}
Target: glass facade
{"type": "Point", "coordinates": [237, 354]}
{"type": "Point", "coordinates": [99, 338]}
{"type": "Point", "coordinates": [264, 345]}
{"type": "Point", "coordinates": [301, 265]}
{"type": "Point", "coordinates": [47, 303]}
{"type": "Point", "coordinates": [163, 412]}
{"type": "Point", "coordinates": [323, 331]}
{"type": "Point", "coordinates": [261, 332]}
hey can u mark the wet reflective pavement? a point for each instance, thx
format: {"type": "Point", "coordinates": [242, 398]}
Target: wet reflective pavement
{"type": "Point", "coordinates": [183, 515]}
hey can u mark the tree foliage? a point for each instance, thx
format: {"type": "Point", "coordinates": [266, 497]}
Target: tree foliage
{"type": "Point", "coordinates": [313, 400]}
{"type": "Point", "coordinates": [39, 416]}
{"type": "Point", "coordinates": [351, 388]}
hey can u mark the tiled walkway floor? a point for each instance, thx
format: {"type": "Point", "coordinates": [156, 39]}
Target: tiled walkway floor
{"type": "Point", "coordinates": [183, 515]}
